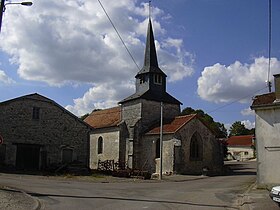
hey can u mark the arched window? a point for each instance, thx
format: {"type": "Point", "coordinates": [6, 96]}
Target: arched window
{"type": "Point", "coordinates": [100, 145]}
{"type": "Point", "coordinates": [196, 148]}
{"type": "Point", "coordinates": [158, 148]}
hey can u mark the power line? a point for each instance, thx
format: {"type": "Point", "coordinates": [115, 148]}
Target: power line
{"type": "Point", "coordinates": [118, 34]}
{"type": "Point", "coordinates": [235, 101]}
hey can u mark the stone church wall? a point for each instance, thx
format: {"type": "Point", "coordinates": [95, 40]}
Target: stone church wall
{"type": "Point", "coordinates": [55, 130]}
{"type": "Point", "coordinates": [139, 115]}
{"type": "Point", "coordinates": [212, 158]}
{"type": "Point", "coordinates": [111, 146]}
{"type": "Point", "coordinates": [176, 157]}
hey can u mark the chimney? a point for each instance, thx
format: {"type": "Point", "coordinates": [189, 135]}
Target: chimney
{"type": "Point", "coordinates": [277, 87]}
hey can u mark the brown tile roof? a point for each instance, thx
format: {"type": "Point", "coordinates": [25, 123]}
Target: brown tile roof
{"type": "Point", "coordinates": [174, 125]}
{"type": "Point", "coordinates": [265, 99]}
{"type": "Point", "coordinates": [246, 140]}
{"type": "Point", "coordinates": [104, 118]}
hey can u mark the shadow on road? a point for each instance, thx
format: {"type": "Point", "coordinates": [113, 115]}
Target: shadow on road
{"type": "Point", "coordinates": [241, 168]}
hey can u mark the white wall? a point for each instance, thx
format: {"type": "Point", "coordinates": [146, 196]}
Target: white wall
{"type": "Point", "coordinates": [110, 147]}
{"type": "Point", "coordinates": [241, 152]}
{"type": "Point", "coordinates": [268, 145]}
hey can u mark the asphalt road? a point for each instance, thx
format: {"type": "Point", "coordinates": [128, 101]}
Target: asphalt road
{"type": "Point", "coordinates": [219, 192]}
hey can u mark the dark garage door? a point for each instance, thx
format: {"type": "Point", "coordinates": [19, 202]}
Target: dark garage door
{"type": "Point", "coordinates": [28, 156]}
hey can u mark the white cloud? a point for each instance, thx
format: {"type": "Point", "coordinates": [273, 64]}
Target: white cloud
{"type": "Point", "coordinates": [5, 79]}
{"type": "Point", "coordinates": [100, 97]}
{"type": "Point", "coordinates": [247, 112]}
{"type": "Point", "coordinates": [72, 42]}
{"type": "Point", "coordinates": [220, 83]}
{"type": "Point", "coordinates": [248, 124]}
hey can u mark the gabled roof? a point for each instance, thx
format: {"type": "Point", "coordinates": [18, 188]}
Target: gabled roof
{"type": "Point", "coordinates": [104, 118]}
{"type": "Point", "coordinates": [38, 97]}
{"type": "Point", "coordinates": [246, 141]}
{"type": "Point", "coordinates": [263, 100]}
{"type": "Point", "coordinates": [174, 125]}
{"type": "Point", "coordinates": [150, 95]}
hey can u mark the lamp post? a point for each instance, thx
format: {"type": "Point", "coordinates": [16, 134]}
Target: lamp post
{"type": "Point", "coordinates": [3, 8]}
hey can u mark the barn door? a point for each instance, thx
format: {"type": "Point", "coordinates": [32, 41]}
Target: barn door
{"type": "Point", "coordinates": [27, 157]}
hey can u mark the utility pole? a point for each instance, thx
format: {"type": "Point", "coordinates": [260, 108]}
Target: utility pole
{"type": "Point", "coordinates": [1, 12]}
{"type": "Point", "coordinates": [160, 140]}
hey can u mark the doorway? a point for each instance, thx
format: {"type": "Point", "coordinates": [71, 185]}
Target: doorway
{"type": "Point", "coordinates": [27, 157]}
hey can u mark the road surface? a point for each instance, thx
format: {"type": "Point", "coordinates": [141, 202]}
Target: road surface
{"type": "Point", "coordinates": [219, 192]}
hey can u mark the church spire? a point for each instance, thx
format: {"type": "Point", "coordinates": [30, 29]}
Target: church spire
{"type": "Point", "coordinates": [150, 59]}
{"type": "Point", "coordinates": [150, 51]}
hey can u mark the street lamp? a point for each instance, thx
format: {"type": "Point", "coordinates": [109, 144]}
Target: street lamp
{"type": "Point", "coordinates": [3, 8]}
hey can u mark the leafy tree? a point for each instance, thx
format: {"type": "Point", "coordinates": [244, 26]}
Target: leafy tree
{"type": "Point", "coordinates": [218, 128]}
{"type": "Point", "coordinates": [84, 116]}
{"type": "Point", "coordinates": [87, 114]}
{"type": "Point", "coordinates": [238, 129]}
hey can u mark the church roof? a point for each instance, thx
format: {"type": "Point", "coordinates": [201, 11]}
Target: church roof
{"type": "Point", "coordinates": [245, 140]}
{"type": "Point", "coordinates": [174, 125]}
{"type": "Point", "coordinates": [150, 59]}
{"type": "Point", "coordinates": [149, 95]}
{"type": "Point", "coordinates": [104, 118]}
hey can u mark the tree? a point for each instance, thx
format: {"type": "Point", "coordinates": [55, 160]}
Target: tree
{"type": "Point", "coordinates": [238, 129]}
{"type": "Point", "coordinates": [218, 128]}
{"type": "Point", "coordinates": [84, 116]}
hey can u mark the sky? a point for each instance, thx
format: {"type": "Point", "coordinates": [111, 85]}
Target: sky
{"type": "Point", "coordinates": [214, 52]}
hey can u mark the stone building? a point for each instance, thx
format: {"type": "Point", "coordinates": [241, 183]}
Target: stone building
{"type": "Point", "coordinates": [38, 133]}
{"type": "Point", "coordinates": [267, 110]}
{"type": "Point", "coordinates": [125, 133]}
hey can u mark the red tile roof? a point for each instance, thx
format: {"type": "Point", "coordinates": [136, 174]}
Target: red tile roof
{"type": "Point", "coordinates": [174, 125]}
{"type": "Point", "coordinates": [104, 118]}
{"type": "Point", "coordinates": [265, 99]}
{"type": "Point", "coordinates": [246, 140]}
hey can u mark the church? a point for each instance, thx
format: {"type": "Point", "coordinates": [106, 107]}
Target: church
{"type": "Point", "coordinates": [130, 133]}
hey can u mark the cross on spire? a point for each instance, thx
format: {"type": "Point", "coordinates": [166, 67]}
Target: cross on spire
{"type": "Point", "coordinates": [150, 9]}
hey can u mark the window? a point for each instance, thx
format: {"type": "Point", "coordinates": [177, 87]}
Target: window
{"type": "Point", "coordinates": [67, 155]}
{"type": "Point", "coordinates": [157, 79]}
{"type": "Point", "coordinates": [100, 145]}
{"type": "Point", "coordinates": [2, 153]}
{"type": "Point", "coordinates": [246, 153]}
{"type": "Point", "coordinates": [158, 148]}
{"type": "Point", "coordinates": [196, 147]}
{"type": "Point", "coordinates": [142, 79]}
{"type": "Point", "coordinates": [36, 113]}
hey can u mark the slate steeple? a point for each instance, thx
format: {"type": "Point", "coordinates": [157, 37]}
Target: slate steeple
{"type": "Point", "coordinates": [150, 59]}
{"type": "Point", "coordinates": [151, 80]}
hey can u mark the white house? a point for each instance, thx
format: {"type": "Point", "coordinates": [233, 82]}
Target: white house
{"type": "Point", "coordinates": [241, 148]}
{"type": "Point", "coordinates": [267, 109]}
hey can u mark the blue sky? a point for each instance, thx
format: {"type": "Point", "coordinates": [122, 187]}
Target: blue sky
{"type": "Point", "coordinates": [214, 52]}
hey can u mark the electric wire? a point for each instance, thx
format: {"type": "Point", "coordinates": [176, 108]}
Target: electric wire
{"type": "Point", "coordinates": [225, 105]}
{"type": "Point", "coordinates": [118, 34]}
{"type": "Point", "coordinates": [235, 101]}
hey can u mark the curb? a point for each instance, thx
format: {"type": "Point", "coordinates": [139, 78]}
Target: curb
{"type": "Point", "coordinates": [35, 206]}
{"type": "Point", "coordinates": [243, 201]}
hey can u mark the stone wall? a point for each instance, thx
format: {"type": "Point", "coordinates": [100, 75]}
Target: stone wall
{"type": "Point", "coordinates": [111, 146]}
{"type": "Point", "coordinates": [139, 115]}
{"type": "Point", "coordinates": [55, 130]}
{"type": "Point", "coordinates": [212, 156]}
{"type": "Point", "coordinates": [176, 151]}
